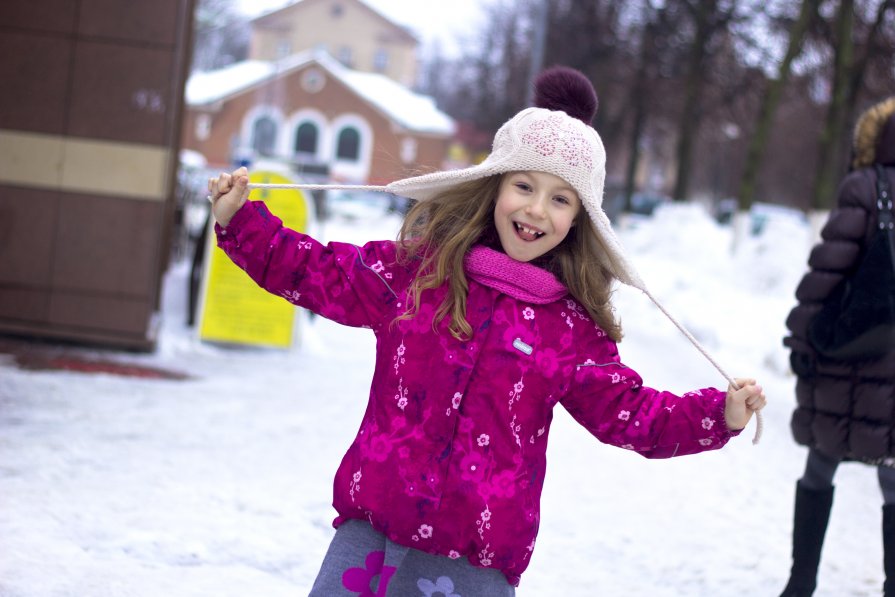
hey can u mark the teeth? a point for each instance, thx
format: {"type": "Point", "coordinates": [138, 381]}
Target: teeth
{"type": "Point", "coordinates": [528, 230]}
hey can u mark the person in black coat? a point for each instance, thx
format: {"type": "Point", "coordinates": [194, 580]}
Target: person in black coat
{"type": "Point", "coordinates": [846, 410]}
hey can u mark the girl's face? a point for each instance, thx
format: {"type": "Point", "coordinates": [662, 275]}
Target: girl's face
{"type": "Point", "coordinates": [533, 213]}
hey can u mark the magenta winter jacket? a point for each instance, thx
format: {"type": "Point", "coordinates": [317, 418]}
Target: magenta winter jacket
{"type": "Point", "coordinates": [451, 454]}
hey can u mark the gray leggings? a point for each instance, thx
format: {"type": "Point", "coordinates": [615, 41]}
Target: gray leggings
{"type": "Point", "coordinates": [361, 562]}
{"type": "Point", "coordinates": [820, 469]}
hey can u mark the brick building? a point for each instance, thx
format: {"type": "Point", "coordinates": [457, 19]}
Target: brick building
{"type": "Point", "coordinates": [314, 113]}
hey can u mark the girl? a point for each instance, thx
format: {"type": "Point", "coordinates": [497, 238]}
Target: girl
{"type": "Point", "coordinates": [491, 308]}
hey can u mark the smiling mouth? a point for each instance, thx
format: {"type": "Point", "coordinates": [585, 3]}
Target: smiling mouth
{"type": "Point", "coordinates": [526, 233]}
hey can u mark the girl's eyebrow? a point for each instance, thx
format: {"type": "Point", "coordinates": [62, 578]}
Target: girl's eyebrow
{"type": "Point", "coordinates": [563, 187]}
{"type": "Point", "coordinates": [531, 180]}
{"type": "Point", "coordinates": [567, 191]}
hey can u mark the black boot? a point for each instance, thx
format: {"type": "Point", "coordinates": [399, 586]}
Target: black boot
{"type": "Point", "coordinates": [889, 549]}
{"type": "Point", "coordinates": [812, 513]}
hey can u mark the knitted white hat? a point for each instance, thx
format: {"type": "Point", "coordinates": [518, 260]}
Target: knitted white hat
{"type": "Point", "coordinates": [542, 140]}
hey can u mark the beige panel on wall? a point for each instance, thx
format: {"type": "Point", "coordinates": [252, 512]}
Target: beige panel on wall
{"type": "Point", "coordinates": [83, 165]}
{"type": "Point", "coordinates": [109, 168]}
{"type": "Point", "coordinates": [30, 159]}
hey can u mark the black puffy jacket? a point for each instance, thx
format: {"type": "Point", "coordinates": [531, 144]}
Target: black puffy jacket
{"type": "Point", "coordinates": [846, 410]}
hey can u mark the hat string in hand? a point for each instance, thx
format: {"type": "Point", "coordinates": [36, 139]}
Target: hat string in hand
{"type": "Point", "coordinates": [554, 137]}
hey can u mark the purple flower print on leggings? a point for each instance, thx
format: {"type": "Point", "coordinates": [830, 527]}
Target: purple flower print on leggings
{"type": "Point", "coordinates": [443, 586]}
{"type": "Point", "coordinates": [359, 580]}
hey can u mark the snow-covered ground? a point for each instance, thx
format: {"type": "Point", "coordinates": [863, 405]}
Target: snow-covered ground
{"type": "Point", "coordinates": [220, 485]}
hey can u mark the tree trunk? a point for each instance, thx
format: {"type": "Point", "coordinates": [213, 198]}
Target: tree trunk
{"type": "Point", "coordinates": [829, 167]}
{"type": "Point", "coordinates": [638, 100]}
{"type": "Point", "coordinates": [692, 96]}
{"type": "Point", "coordinates": [859, 68]}
{"type": "Point", "coordinates": [769, 103]}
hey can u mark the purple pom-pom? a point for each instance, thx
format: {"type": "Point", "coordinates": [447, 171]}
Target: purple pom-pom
{"type": "Point", "coordinates": [566, 89]}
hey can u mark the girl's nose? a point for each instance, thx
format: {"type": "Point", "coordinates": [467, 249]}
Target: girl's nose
{"type": "Point", "coordinates": [536, 207]}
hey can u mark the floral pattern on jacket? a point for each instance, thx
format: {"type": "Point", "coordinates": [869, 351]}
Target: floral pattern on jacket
{"type": "Point", "coordinates": [450, 456]}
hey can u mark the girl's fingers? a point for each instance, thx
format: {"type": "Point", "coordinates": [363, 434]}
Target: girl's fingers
{"type": "Point", "coordinates": [742, 382]}
{"type": "Point", "coordinates": [222, 184]}
{"type": "Point", "coordinates": [756, 402]}
{"type": "Point", "coordinates": [225, 182]}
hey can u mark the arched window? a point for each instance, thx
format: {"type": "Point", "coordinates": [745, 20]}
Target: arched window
{"type": "Point", "coordinates": [306, 138]}
{"type": "Point", "coordinates": [348, 144]}
{"type": "Point", "coordinates": [264, 135]}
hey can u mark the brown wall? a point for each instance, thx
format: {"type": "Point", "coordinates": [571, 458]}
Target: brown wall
{"type": "Point", "coordinates": [89, 133]}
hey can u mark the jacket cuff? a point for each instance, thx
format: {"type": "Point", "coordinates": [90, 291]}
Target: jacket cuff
{"type": "Point", "coordinates": [726, 432]}
{"type": "Point", "coordinates": [242, 215]}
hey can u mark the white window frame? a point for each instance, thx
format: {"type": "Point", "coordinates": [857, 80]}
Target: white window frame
{"type": "Point", "coordinates": [248, 126]}
{"type": "Point", "coordinates": [324, 139]}
{"type": "Point", "coordinates": [358, 170]}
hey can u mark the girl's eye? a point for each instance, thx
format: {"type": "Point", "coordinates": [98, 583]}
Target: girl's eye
{"type": "Point", "coordinates": [561, 199]}
{"type": "Point", "coordinates": [523, 186]}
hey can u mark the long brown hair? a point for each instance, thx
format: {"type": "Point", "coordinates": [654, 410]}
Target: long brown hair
{"type": "Point", "coordinates": [440, 231]}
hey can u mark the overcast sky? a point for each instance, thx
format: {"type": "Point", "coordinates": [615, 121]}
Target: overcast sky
{"type": "Point", "coordinates": [447, 21]}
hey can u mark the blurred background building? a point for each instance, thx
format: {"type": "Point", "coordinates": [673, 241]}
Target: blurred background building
{"type": "Point", "coordinates": [350, 30]}
{"type": "Point", "coordinates": [326, 121]}
{"type": "Point", "coordinates": [325, 91]}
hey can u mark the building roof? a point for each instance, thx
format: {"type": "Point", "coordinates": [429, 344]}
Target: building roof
{"type": "Point", "coordinates": [399, 104]}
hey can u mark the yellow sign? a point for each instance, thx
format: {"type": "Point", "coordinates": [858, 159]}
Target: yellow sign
{"type": "Point", "coordinates": [235, 309]}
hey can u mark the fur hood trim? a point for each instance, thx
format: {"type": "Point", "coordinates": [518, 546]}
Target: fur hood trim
{"type": "Point", "coordinates": [868, 130]}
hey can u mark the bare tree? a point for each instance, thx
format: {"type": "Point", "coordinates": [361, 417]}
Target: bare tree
{"type": "Point", "coordinates": [770, 101]}
{"type": "Point", "coordinates": [683, 86]}
{"type": "Point", "coordinates": [710, 18]}
{"type": "Point", "coordinates": [646, 63]}
{"type": "Point", "coordinates": [588, 35]}
{"type": "Point", "coordinates": [221, 35]}
{"type": "Point", "coordinates": [848, 75]}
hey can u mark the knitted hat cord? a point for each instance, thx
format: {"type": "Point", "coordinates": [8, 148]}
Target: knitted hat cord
{"type": "Point", "coordinates": [554, 137]}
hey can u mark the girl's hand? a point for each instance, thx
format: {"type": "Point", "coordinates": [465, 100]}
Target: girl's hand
{"type": "Point", "coordinates": [227, 193]}
{"type": "Point", "coordinates": [740, 404]}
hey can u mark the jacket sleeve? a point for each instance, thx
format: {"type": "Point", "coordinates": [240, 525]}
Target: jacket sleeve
{"type": "Point", "coordinates": [349, 284]}
{"type": "Point", "coordinates": [842, 239]}
{"type": "Point", "coordinates": [609, 400]}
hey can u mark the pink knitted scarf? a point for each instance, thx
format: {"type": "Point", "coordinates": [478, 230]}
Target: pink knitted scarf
{"type": "Point", "coordinates": [519, 280]}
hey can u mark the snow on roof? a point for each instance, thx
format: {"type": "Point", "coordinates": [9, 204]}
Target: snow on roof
{"type": "Point", "coordinates": [210, 86]}
{"type": "Point", "coordinates": [411, 110]}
